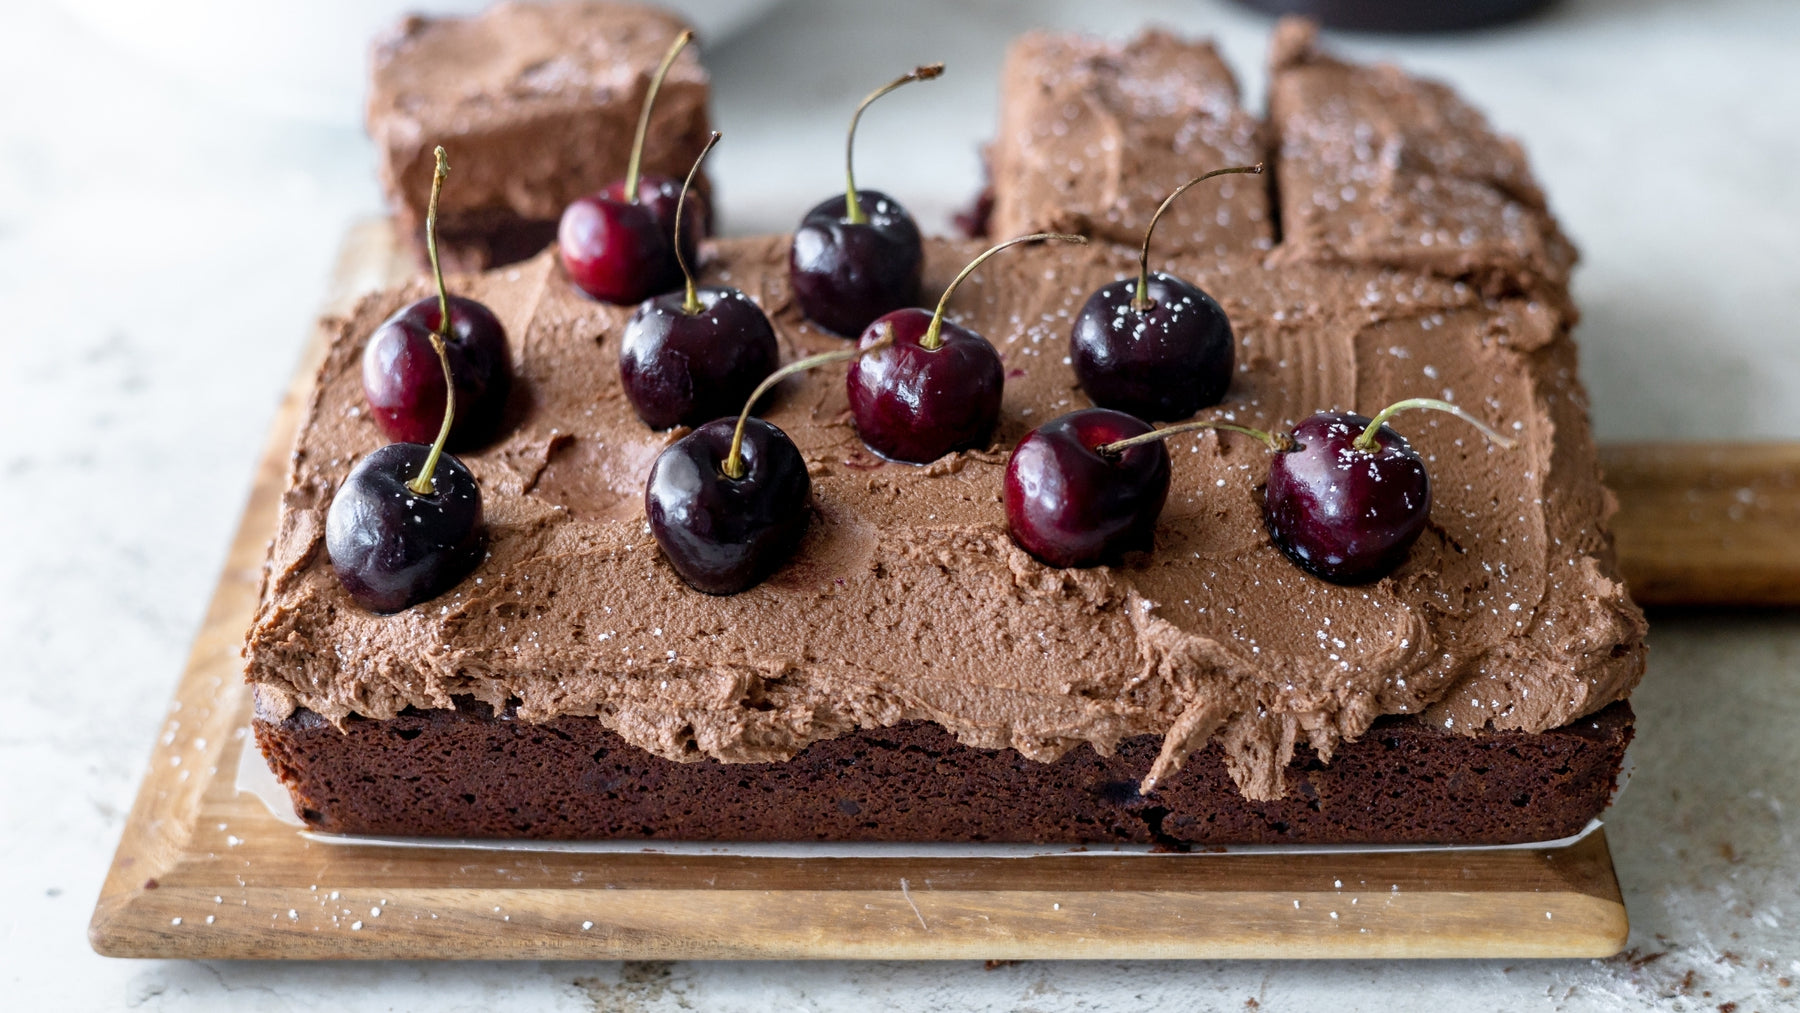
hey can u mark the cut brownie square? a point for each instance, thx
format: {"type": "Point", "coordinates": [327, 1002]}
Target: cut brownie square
{"type": "Point", "coordinates": [1375, 166]}
{"type": "Point", "coordinates": [537, 104]}
{"type": "Point", "coordinates": [1094, 135]}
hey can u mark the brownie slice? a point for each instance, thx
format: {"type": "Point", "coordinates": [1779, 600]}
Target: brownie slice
{"type": "Point", "coordinates": [537, 104]}
{"type": "Point", "coordinates": [1377, 167]}
{"type": "Point", "coordinates": [472, 772]}
{"type": "Point", "coordinates": [1093, 136]}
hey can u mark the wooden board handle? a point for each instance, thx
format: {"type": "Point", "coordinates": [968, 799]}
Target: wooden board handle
{"type": "Point", "coordinates": [1707, 523]}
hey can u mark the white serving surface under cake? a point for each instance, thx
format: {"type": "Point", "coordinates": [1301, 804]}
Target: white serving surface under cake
{"type": "Point", "coordinates": [150, 362]}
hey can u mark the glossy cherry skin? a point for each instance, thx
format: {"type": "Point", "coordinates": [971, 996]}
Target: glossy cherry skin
{"type": "Point", "coordinates": [724, 534]}
{"type": "Point", "coordinates": [683, 370]}
{"type": "Point", "coordinates": [393, 548]}
{"type": "Point", "coordinates": [403, 381]}
{"type": "Point", "coordinates": [660, 194]}
{"type": "Point", "coordinates": [1346, 515]}
{"type": "Point", "coordinates": [916, 404]}
{"type": "Point", "coordinates": [616, 251]}
{"type": "Point", "coordinates": [1068, 505]}
{"type": "Point", "coordinates": [1163, 364]}
{"type": "Point", "coordinates": [844, 275]}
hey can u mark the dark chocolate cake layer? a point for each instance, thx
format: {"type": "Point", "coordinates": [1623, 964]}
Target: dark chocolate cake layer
{"type": "Point", "coordinates": [469, 773]}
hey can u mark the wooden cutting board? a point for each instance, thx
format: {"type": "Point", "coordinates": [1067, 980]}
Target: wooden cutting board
{"type": "Point", "coordinates": [204, 871]}
{"type": "Point", "coordinates": [1707, 523]}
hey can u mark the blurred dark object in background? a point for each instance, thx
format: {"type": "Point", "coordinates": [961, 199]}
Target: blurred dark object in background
{"type": "Point", "coordinates": [1403, 15]}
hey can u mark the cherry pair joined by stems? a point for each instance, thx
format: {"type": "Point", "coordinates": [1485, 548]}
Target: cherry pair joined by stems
{"type": "Point", "coordinates": [859, 255]}
{"type": "Point", "coordinates": [620, 245]}
{"type": "Point", "coordinates": [694, 354]}
{"type": "Point", "coordinates": [406, 523]}
{"type": "Point", "coordinates": [1345, 499]}
{"type": "Point", "coordinates": [1156, 346]}
{"type": "Point", "coordinates": [935, 387]}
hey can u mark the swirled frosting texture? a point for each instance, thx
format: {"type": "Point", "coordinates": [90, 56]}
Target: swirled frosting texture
{"type": "Point", "coordinates": [907, 600]}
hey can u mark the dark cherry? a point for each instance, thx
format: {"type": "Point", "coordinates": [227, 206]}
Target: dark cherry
{"type": "Point", "coordinates": [1069, 504]}
{"type": "Point", "coordinates": [913, 403]}
{"type": "Point", "coordinates": [1155, 346]}
{"type": "Point", "coordinates": [722, 533]}
{"type": "Point", "coordinates": [857, 255]}
{"type": "Point", "coordinates": [681, 368]}
{"type": "Point", "coordinates": [404, 384]}
{"type": "Point", "coordinates": [660, 195]}
{"type": "Point", "coordinates": [845, 274]}
{"type": "Point", "coordinates": [1342, 513]}
{"type": "Point", "coordinates": [393, 547]}
{"type": "Point", "coordinates": [1346, 495]}
{"type": "Point", "coordinates": [695, 355]}
{"type": "Point", "coordinates": [934, 386]}
{"type": "Point", "coordinates": [727, 502]}
{"type": "Point", "coordinates": [618, 245]}
{"type": "Point", "coordinates": [615, 251]}
{"type": "Point", "coordinates": [1162, 364]}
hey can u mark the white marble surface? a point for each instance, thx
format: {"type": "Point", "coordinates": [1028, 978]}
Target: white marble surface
{"type": "Point", "coordinates": [163, 243]}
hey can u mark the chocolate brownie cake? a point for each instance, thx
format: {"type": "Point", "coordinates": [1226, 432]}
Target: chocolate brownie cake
{"type": "Point", "coordinates": [539, 101]}
{"type": "Point", "coordinates": [911, 674]}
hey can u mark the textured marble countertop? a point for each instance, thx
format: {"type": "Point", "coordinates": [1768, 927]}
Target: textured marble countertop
{"type": "Point", "coordinates": [163, 244]}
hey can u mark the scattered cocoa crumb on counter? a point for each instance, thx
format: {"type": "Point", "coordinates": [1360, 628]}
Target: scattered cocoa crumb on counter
{"type": "Point", "coordinates": [1637, 959]}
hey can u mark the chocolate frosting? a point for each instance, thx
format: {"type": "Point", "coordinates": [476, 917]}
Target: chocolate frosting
{"type": "Point", "coordinates": [908, 601]}
{"type": "Point", "coordinates": [1093, 136]}
{"type": "Point", "coordinates": [1378, 166]}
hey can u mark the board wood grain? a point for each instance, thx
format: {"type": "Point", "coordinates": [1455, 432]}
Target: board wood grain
{"type": "Point", "coordinates": [1707, 523]}
{"type": "Point", "coordinates": [204, 871]}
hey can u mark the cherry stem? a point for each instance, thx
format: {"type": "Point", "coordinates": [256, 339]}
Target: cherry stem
{"type": "Point", "coordinates": [1366, 442]}
{"type": "Point", "coordinates": [422, 482]}
{"type": "Point", "coordinates": [691, 303]}
{"type": "Point", "coordinates": [431, 246]}
{"type": "Point", "coordinates": [853, 210]}
{"type": "Point", "coordinates": [933, 339]}
{"type": "Point", "coordinates": [1277, 442]}
{"type": "Point", "coordinates": [733, 466]}
{"type": "Point", "coordinates": [1140, 297]}
{"type": "Point", "coordinates": [636, 164]}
